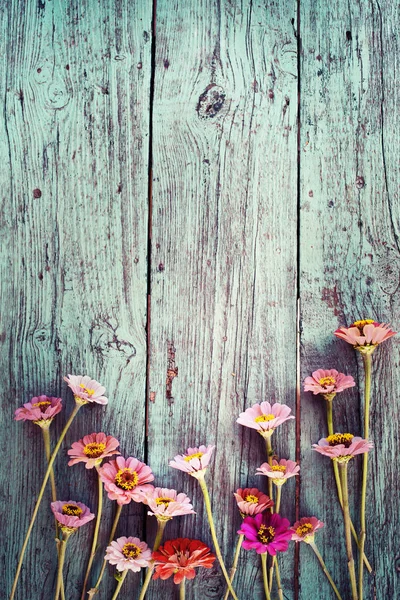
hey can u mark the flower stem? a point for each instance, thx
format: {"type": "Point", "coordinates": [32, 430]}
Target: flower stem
{"type": "Point", "coordinates": [235, 562]}
{"type": "Point", "coordinates": [265, 577]}
{"type": "Point", "coordinates": [160, 532]}
{"type": "Point", "coordinates": [270, 454]}
{"type": "Point", "coordinates": [40, 496]}
{"type": "Point", "coordinates": [325, 570]}
{"type": "Point", "coordinates": [278, 498]}
{"type": "Point", "coordinates": [120, 582]}
{"type": "Point", "coordinates": [62, 545]}
{"type": "Point", "coordinates": [272, 567]}
{"type": "Point", "coordinates": [346, 514]}
{"type": "Point", "coordinates": [182, 589]}
{"type": "Point", "coordinates": [206, 495]}
{"type": "Point", "coordinates": [95, 535]}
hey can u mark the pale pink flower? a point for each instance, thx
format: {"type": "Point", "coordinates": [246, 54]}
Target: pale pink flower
{"type": "Point", "coordinates": [41, 410]}
{"type": "Point", "coordinates": [328, 383]}
{"type": "Point", "coordinates": [365, 335]}
{"type": "Point", "coordinates": [128, 553]}
{"type": "Point", "coordinates": [265, 418]}
{"type": "Point", "coordinates": [304, 530]}
{"type": "Point", "coordinates": [166, 504]}
{"type": "Point", "coordinates": [342, 446]}
{"type": "Point", "coordinates": [86, 389]}
{"type": "Point", "coordinates": [92, 449]}
{"type": "Point", "coordinates": [280, 471]}
{"type": "Point", "coordinates": [125, 479]}
{"type": "Point", "coordinates": [251, 501]}
{"type": "Point", "coordinates": [70, 514]}
{"type": "Point", "coordinates": [194, 462]}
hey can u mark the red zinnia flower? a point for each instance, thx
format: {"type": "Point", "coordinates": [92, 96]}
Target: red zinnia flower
{"type": "Point", "coordinates": [180, 557]}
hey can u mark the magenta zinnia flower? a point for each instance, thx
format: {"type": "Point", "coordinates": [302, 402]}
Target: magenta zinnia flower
{"type": "Point", "coordinates": [86, 389]}
{"type": "Point", "coordinates": [342, 446]}
{"type": "Point", "coordinates": [70, 514]}
{"type": "Point", "coordinates": [304, 530]}
{"type": "Point", "coordinates": [280, 471]}
{"type": "Point", "coordinates": [180, 557]}
{"type": "Point", "coordinates": [125, 479]}
{"type": "Point", "coordinates": [194, 462]}
{"type": "Point", "coordinates": [166, 504]}
{"type": "Point", "coordinates": [328, 383]}
{"type": "Point", "coordinates": [92, 449]}
{"type": "Point", "coordinates": [265, 417]}
{"type": "Point", "coordinates": [365, 335]}
{"type": "Point", "coordinates": [251, 501]}
{"type": "Point", "coordinates": [41, 410]}
{"type": "Point", "coordinates": [128, 553]}
{"type": "Point", "coordinates": [266, 532]}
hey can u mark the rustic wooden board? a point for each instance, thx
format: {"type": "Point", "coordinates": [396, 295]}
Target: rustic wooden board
{"type": "Point", "coordinates": [349, 258]}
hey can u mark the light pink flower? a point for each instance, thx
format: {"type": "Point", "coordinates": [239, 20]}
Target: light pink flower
{"type": "Point", "coordinates": [92, 449]}
{"type": "Point", "coordinates": [194, 462]}
{"type": "Point", "coordinates": [128, 553]}
{"type": "Point", "coordinates": [41, 410]}
{"type": "Point", "coordinates": [251, 501]}
{"type": "Point", "coordinates": [280, 471]}
{"type": "Point", "coordinates": [304, 530]}
{"type": "Point", "coordinates": [70, 514]}
{"type": "Point", "coordinates": [86, 389]}
{"type": "Point", "coordinates": [125, 479]}
{"type": "Point", "coordinates": [328, 383]}
{"type": "Point", "coordinates": [166, 504]}
{"type": "Point", "coordinates": [342, 446]}
{"type": "Point", "coordinates": [265, 418]}
{"type": "Point", "coordinates": [365, 335]}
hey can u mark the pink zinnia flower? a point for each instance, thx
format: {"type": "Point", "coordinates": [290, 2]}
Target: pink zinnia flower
{"type": "Point", "coordinates": [41, 410]}
{"type": "Point", "coordinates": [86, 389]}
{"type": "Point", "coordinates": [92, 449]}
{"type": "Point", "coordinates": [125, 479]}
{"type": "Point", "coordinates": [280, 471]}
{"type": "Point", "coordinates": [128, 553]}
{"type": "Point", "coordinates": [342, 446]}
{"type": "Point", "coordinates": [251, 501]}
{"type": "Point", "coordinates": [166, 504]}
{"type": "Point", "coordinates": [265, 417]}
{"type": "Point", "coordinates": [194, 462]}
{"type": "Point", "coordinates": [70, 514]}
{"type": "Point", "coordinates": [365, 335]}
{"type": "Point", "coordinates": [328, 383]}
{"type": "Point", "coordinates": [180, 557]}
{"type": "Point", "coordinates": [266, 532]}
{"type": "Point", "coordinates": [304, 530]}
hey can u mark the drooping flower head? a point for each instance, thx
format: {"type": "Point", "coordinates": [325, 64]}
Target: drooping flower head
{"type": "Point", "coordinates": [304, 530]}
{"type": "Point", "coordinates": [92, 449]}
{"type": "Point", "coordinates": [328, 383]}
{"type": "Point", "coordinates": [365, 335]}
{"type": "Point", "coordinates": [342, 447]}
{"type": "Point", "coordinates": [126, 479]}
{"type": "Point", "coordinates": [195, 461]}
{"type": "Point", "coordinates": [166, 504]}
{"type": "Point", "coordinates": [128, 553]}
{"type": "Point", "coordinates": [86, 389]}
{"type": "Point", "coordinates": [266, 532]}
{"type": "Point", "coordinates": [265, 418]}
{"type": "Point", "coordinates": [251, 501]}
{"type": "Point", "coordinates": [180, 557]}
{"type": "Point", "coordinates": [280, 471]}
{"type": "Point", "coordinates": [41, 410]}
{"type": "Point", "coordinates": [71, 515]}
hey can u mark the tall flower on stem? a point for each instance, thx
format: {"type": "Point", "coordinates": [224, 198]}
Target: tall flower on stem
{"type": "Point", "coordinates": [128, 554]}
{"type": "Point", "coordinates": [279, 473]}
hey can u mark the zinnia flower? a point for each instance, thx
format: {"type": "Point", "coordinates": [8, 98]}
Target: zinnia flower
{"type": "Point", "coordinates": [194, 462]}
{"type": "Point", "coordinates": [265, 418]}
{"type": "Point", "coordinates": [166, 504]}
{"type": "Point", "coordinates": [304, 530]}
{"type": "Point", "coordinates": [328, 383]}
{"type": "Point", "coordinates": [70, 514]}
{"type": "Point", "coordinates": [365, 335]}
{"type": "Point", "coordinates": [180, 557]}
{"type": "Point", "coordinates": [92, 449]}
{"type": "Point", "coordinates": [41, 410]}
{"type": "Point", "coordinates": [128, 553]}
{"type": "Point", "coordinates": [251, 501]}
{"type": "Point", "coordinates": [342, 446]}
{"type": "Point", "coordinates": [125, 479]}
{"type": "Point", "coordinates": [266, 532]}
{"type": "Point", "coordinates": [280, 471]}
{"type": "Point", "coordinates": [86, 389]}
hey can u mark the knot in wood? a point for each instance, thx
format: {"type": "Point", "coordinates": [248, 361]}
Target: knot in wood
{"type": "Point", "coordinates": [360, 182]}
{"type": "Point", "coordinates": [211, 101]}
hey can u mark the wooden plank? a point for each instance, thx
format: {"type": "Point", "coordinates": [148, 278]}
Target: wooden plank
{"type": "Point", "coordinates": [74, 230]}
{"type": "Point", "coordinates": [350, 264]}
{"type": "Point", "coordinates": [223, 262]}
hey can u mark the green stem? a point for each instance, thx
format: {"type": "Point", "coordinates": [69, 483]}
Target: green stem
{"type": "Point", "coordinates": [325, 570]}
{"type": "Point", "coordinates": [278, 497]}
{"type": "Point", "coordinates": [62, 545]}
{"type": "Point", "coordinates": [160, 532]}
{"type": "Point", "coordinates": [182, 589]}
{"type": "Point", "coordinates": [270, 454]}
{"type": "Point", "coordinates": [278, 577]}
{"type": "Point", "coordinates": [204, 489]}
{"type": "Point", "coordinates": [346, 514]}
{"type": "Point", "coordinates": [235, 562]}
{"type": "Point", "coordinates": [120, 582]}
{"type": "Point", "coordinates": [277, 508]}
{"type": "Point", "coordinates": [367, 396]}
{"type": "Point", "coordinates": [95, 535]}
{"type": "Point", "coordinates": [265, 577]}
{"type": "Point", "coordinates": [40, 496]}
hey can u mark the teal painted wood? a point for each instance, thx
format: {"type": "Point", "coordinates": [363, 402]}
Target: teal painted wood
{"type": "Point", "coordinates": [350, 265]}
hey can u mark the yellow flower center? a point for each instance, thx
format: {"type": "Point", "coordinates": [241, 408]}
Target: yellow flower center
{"type": "Point", "coordinates": [362, 323]}
{"type": "Point", "coordinates": [252, 499]}
{"type": "Point", "coordinates": [280, 468]}
{"type": "Point", "coordinates": [303, 530]}
{"type": "Point", "coordinates": [42, 405]}
{"type": "Point", "coordinates": [191, 456]}
{"type": "Point", "coordinates": [164, 500]}
{"type": "Point", "coordinates": [266, 534]}
{"type": "Point", "coordinates": [86, 390]}
{"type": "Point", "coordinates": [94, 450]}
{"type": "Point", "coordinates": [131, 550]}
{"type": "Point", "coordinates": [71, 510]}
{"type": "Point", "coordinates": [264, 418]}
{"type": "Point", "coordinates": [340, 438]}
{"type": "Point", "coordinates": [325, 381]}
{"type": "Point", "coordinates": [126, 479]}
